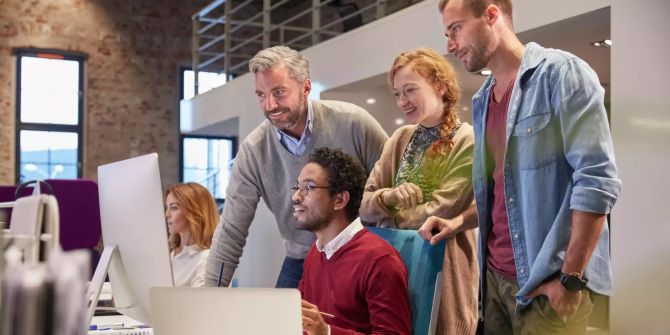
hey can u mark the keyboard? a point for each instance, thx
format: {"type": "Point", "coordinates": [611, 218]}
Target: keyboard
{"type": "Point", "coordinates": [117, 325]}
{"type": "Point", "coordinates": [125, 331]}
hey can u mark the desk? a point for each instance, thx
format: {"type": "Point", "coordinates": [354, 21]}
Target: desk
{"type": "Point", "coordinates": [117, 320]}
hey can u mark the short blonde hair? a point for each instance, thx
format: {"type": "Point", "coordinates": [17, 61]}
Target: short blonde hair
{"type": "Point", "coordinates": [200, 211]}
{"type": "Point", "coordinates": [296, 62]}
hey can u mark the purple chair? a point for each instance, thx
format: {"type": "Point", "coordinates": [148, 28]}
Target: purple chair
{"type": "Point", "coordinates": [6, 195]}
{"type": "Point", "coordinates": [78, 207]}
{"type": "Point", "coordinates": [79, 211]}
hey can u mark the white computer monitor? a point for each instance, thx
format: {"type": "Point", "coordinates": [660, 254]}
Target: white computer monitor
{"type": "Point", "coordinates": [134, 233]}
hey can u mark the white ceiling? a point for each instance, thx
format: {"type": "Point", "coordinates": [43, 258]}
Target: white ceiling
{"type": "Point", "coordinates": [574, 35]}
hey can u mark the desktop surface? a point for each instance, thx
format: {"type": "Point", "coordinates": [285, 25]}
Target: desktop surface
{"type": "Point", "coordinates": [117, 325]}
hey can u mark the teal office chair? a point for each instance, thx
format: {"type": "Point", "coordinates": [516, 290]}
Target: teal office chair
{"type": "Point", "coordinates": [424, 267]}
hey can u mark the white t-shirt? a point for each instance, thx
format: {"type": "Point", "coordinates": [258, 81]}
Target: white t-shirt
{"type": "Point", "coordinates": [188, 268]}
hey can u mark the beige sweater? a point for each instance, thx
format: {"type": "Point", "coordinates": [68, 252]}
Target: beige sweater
{"type": "Point", "coordinates": [458, 309]}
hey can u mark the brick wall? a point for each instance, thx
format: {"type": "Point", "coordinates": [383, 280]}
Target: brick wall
{"type": "Point", "coordinates": [131, 76]}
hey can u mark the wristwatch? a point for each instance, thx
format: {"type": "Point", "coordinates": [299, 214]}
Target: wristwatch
{"type": "Point", "coordinates": [573, 281]}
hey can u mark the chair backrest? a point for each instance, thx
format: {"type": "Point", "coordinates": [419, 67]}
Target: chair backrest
{"type": "Point", "coordinates": [79, 212]}
{"type": "Point", "coordinates": [34, 227]}
{"type": "Point", "coordinates": [424, 268]}
{"type": "Point", "coordinates": [27, 218]}
{"type": "Point", "coordinates": [6, 195]}
{"type": "Point", "coordinates": [78, 207]}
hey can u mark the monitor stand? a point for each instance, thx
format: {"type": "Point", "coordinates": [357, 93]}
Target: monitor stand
{"type": "Point", "coordinates": [109, 254]}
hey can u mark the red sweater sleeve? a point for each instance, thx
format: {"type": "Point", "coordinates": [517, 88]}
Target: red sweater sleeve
{"type": "Point", "coordinates": [387, 299]}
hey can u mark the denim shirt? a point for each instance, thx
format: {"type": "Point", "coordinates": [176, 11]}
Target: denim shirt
{"type": "Point", "coordinates": [558, 158]}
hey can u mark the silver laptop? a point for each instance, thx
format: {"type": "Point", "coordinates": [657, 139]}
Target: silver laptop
{"type": "Point", "coordinates": [225, 311]}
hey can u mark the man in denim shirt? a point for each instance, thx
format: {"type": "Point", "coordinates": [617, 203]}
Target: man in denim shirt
{"type": "Point", "coordinates": [544, 175]}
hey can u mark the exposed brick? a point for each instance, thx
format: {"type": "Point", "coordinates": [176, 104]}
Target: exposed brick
{"type": "Point", "coordinates": [134, 50]}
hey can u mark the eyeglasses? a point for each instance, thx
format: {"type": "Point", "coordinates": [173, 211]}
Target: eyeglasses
{"type": "Point", "coordinates": [304, 188]}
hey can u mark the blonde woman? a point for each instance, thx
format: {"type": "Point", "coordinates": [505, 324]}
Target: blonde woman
{"type": "Point", "coordinates": [191, 217]}
{"type": "Point", "coordinates": [424, 173]}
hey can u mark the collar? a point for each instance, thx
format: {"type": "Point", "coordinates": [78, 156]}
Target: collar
{"type": "Point", "coordinates": [308, 123]}
{"type": "Point", "coordinates": [190, 250]}
{"type": "Point", "coordinates": [341, 239]}
{"type": "Point", "coordinates": [533, 56]}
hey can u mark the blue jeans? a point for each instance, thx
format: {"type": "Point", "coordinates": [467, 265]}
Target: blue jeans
{"type": "Point", "coordinates": [291, 273]}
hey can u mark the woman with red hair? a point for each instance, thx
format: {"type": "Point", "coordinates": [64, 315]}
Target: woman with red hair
{"type": "Point", "coordinates": [191, 217]}
{"type": "Point", "coordinates": [425, 173]}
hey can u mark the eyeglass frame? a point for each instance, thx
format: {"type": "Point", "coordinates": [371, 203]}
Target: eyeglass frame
{"type": "Point", "coordinates": [304, 190]}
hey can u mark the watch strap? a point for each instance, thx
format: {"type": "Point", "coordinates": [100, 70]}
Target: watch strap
{"type": "Point", "coordinates": [573, 281]}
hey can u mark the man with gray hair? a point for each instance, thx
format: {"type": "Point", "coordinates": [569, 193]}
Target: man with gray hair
{"type": "Point", "coordinates": [272, 155]}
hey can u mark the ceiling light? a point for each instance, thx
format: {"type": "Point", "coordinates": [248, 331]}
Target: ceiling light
{"type": "Point", "coordinates": [399, 121]}
{"type": "Point", "coordinates": [371, 101]}
{"type": "Point", "coordinates": [485, 72]}
{"type": "Point", "coordinates": [602, 44]}
{"type": "Point", "coordinates": [648, 124]}
{"type": "Point", "coordinates": [464, 108]}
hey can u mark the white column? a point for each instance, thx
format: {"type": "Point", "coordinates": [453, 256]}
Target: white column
{"type": "Point", "coordinates": [641, 132]}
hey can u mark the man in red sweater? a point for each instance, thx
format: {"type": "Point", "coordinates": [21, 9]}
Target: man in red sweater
{"type": "Point", "coordinates": [354, 282]}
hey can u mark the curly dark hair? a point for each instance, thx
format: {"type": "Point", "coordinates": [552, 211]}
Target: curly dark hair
{"type": "Point", "coordinates": [344, 175]}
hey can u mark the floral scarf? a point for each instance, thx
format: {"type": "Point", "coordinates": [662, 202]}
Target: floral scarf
{"type": "Point", "coordinates": [416, 163]}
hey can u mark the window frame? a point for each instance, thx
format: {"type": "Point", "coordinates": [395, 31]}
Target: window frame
{"type": "Point", "coordinates": [182, 77]}
{"type": "Point", "coordinates": [18, 53]}
{"type": "Point", "coordinates": [182, 71]}
{"type": "Point", "coordinates": [182, 137]}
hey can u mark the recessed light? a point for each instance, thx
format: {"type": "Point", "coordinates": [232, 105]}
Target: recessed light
{"type": "Point", "coordinates": [485, 72]}
{"type": "Point", "coordinates": [399, 121]}
{"type": "Point", "coordinates": [371, 101]}
{"type": "Point", "coordinates": [464, 108]}
{"type": "Point", "coordinates": [602, 44]}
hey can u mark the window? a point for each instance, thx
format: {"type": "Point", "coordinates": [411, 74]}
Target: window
{"type": "Point", "coordinates": [206, 82]}
{"type": "Point", "coordinates": [208, 160]}
{"type": "Point", "coordinates": [49, 112]}
{"type": "Point", "coordinates": [205, 159]}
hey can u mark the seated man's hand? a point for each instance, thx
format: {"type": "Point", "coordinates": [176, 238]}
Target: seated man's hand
{"type": "Point", "coordinates": [436, 229]}
{"type": "Point", "coordinates": [312, 321]}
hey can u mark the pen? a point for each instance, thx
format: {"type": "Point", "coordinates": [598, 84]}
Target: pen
{"type": "Point", "coordinates": [106, 326]}
{"type": "Point", "coordinates": [327, 315]}
{"type": "Point", "coordinates": [218, 282]}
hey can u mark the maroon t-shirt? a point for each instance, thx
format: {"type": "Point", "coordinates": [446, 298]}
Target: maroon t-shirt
{"type": "Point", "coordinates": [500, 257]}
